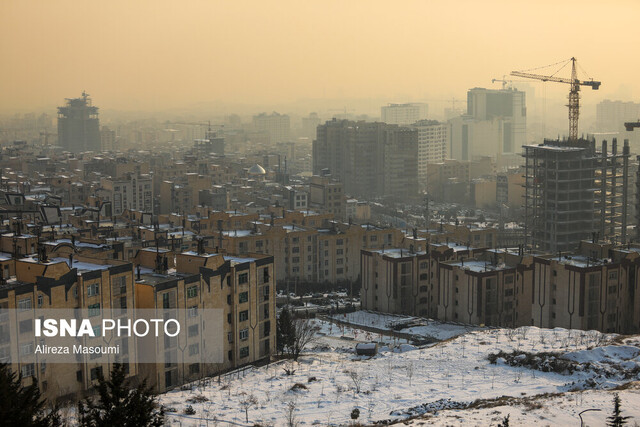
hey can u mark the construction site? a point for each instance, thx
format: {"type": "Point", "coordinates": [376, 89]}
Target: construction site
{"type": "Point", "coordinates": [575, 192]}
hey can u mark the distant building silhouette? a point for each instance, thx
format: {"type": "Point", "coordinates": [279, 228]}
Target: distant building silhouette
{"type": "Point", "coordinates": [495, 125]}
{"type": "Point", "coordinates": [277, 126]}
{"type": "Point", "coordinates": [404, 114]}
{"type": "Point", "coordinates": [78, 125]}
{"type": "Point", "coordinates": [370, 159]}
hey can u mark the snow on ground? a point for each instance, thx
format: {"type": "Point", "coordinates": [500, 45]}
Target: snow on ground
{"type": "Point", "coordinates": [404, 381]}
{"type": "Point", "coordinates": [545, 411]}
{"type": "Point", "coordinates": [426, 328]}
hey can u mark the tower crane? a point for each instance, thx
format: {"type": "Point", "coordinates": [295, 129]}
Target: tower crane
{"type": "Point", "coordinates": [574, 92]}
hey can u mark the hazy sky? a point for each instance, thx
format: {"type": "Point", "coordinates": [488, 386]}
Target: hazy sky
{"type": "Point", "coordinates": [159, 54]}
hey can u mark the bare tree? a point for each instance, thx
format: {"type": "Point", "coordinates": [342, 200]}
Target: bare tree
{"type": "Point", "coordinates": [304, 333]}
{"type": "Point", "coordinates": [356, 378]}
{"type": "Point", "coordinates": [410, 372]}
{"type": "Point", "coordinates": [246, 402]}
{"type": "Point", "coordinates": [290, 414]}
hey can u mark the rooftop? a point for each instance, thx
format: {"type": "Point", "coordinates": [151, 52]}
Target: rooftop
{"type": "Point", "coordinates": [398, 253]}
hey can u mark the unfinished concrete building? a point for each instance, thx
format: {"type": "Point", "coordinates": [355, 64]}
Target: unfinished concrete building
{"type": "Point", "coordinates": [78, 125]}
{"type": "Point", "coordinates": [574, 192]}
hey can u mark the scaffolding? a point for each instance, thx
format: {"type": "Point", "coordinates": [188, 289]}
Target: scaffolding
{"type": "Point", "coordinates": [574, 192]}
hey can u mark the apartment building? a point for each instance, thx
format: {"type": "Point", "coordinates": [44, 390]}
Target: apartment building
{"type": "Point", "coordinates": [488, 290]}
{"type": "Point", "coordinates": [237, 295]}
{"type": "Point", "coordinates": [370, 159]}
{"type": "Point", "coordinates": [325, 252]}
{"type": "Point", "coordinates": [327, 195]}
{"type": "Point", "coordinates": [404, 114]}
{"type": "Point", "coordinates": [433, 141]}
{"type": "Point", "coordinates": [74, 283]}
{"type": "Point", "coordinates": [593, 288]}
{"type": "Point", "coordinates": [131, 191]}
{"type": "Point", "coordinates": [406, 281]}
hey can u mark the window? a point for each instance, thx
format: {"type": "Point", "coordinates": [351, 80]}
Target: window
{"type": "Point", "coordinates": [165, 300]}
{"type": "Point", "coordinates": [192, 292]}
{"type": "Point", "coordinates": [193, 330]}
{"type": "Point", "coordinates": [230, 337]}
{"type": "Point", "coordinates": [244, 316]}
{"type": "Point", "coordinates": [193, 311]}
{"type": "Point", "coordinates": [423, 265]}
{"type": "Point", "coordinates": [243, 297]}
{"type": "Point", "coordinates": [194, 349]}
{"type": "Point", "coordinates": [26, 349]}
{"type": "Point", "coordinates": [94, 310]}
{"type": "Point", "coordinates": [40, 301]}
{"type": "Point", "coordinates": [24, 304]}
{"type": "Point", "coordinates": [244, 334]}
{"type": "Point", "coordinates": [96, 331]}
{"type": "Point", "coordinates": [93, 289]}
{"type": "Point", "coordinates": [243, 278]}
{"type": "Point", "coordinates": [244, 352]}
{"type": "Point", "coordinates": [613, 275]}
{"type": "Point", "coordinates": [339, 242]}
{"type": "Point", "coordinates": [194, 368]}
{"type": "Point", "coordinates": [27, 370]}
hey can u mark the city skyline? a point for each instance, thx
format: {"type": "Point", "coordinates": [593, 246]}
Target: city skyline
{"type": "Point", "coordinates": [163, 55]}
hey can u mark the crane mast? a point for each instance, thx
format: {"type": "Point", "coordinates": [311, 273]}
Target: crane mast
{"type": "Point", "coordinates": [574, 93]}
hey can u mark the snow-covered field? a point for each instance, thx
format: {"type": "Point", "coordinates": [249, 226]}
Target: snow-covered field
{"type": "Point", "coordinates": [426, 328]}
{"type": "Point", "coordinates": [403, 382]}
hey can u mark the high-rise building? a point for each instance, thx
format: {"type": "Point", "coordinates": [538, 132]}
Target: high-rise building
{"type": "Point", "coordinates": [78, 125]}
{"type": "Point", "coordinates": [370, 159]}
{"type": "Point", "coordinates": [433, 140]}
{"type": "Point", "coordinates": [309, 125]}
{"type": "Point", "coordinates": [495, 125]}
{"type": "Point", "coordinates": [107, 139]}
{"type": "Point", "coordinates": [574, 193]}
{"type": "Point", "coordinates": [404, 114]}
{"type": "Point", "coordinates": [277, 126]}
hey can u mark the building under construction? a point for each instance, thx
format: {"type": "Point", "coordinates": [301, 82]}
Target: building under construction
{"type": "Point", "coordinates": [78, 125]}
{"type": "Point", "coordinates": [574, 192]}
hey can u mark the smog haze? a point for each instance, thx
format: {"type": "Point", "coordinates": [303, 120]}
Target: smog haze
{"type": "Point", "coordinates": [155, 55]}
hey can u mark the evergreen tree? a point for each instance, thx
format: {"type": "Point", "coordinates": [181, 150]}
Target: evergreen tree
{"type": "Point", "coordinates": [120, 405]}
{"type": "Point", "coordinates": [616, 419]}
{"type": "Point", "coordinates": [284, 331]}
{"type": "Point", "coordinates": [23, 406]}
